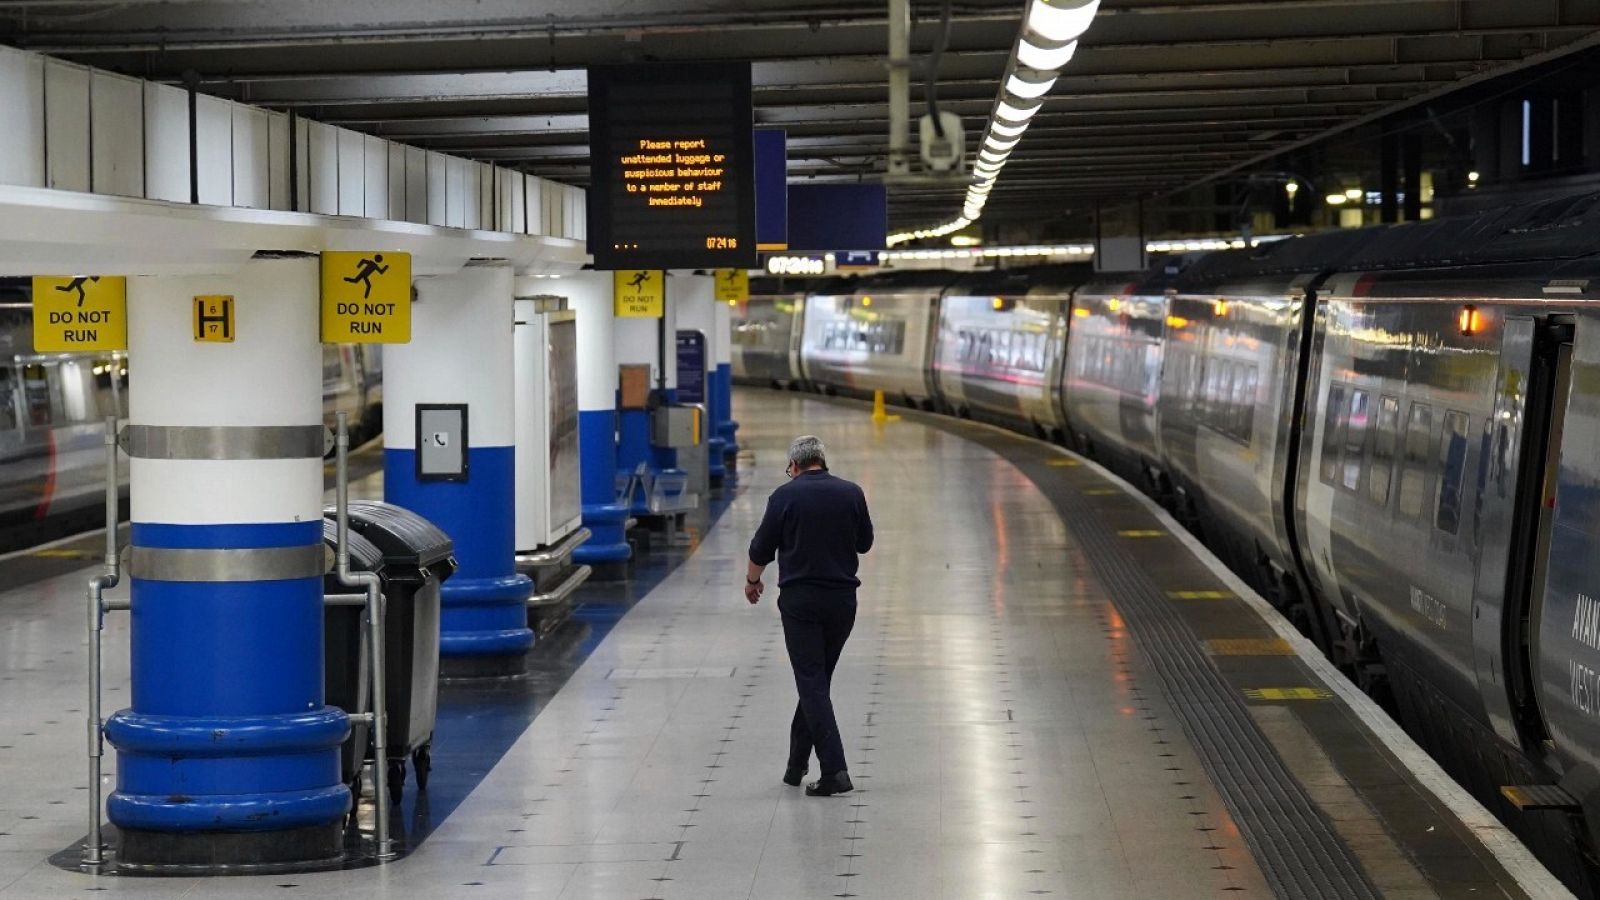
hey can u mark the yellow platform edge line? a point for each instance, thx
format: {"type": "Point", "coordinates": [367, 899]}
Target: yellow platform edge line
{"type": "Point", "coordinates": [1289, 693]}
{"type": "Point", "coordinates": [1250, 647]}
{"type": "Point", "coordinates": [1200, 595]}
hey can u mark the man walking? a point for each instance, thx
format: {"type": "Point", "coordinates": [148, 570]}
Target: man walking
{"type": "Point", "coordinates": [816, 526]}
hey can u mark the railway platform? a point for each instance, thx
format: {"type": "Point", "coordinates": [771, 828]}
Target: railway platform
{"type": "Point", "coordinates": [1050, 691]}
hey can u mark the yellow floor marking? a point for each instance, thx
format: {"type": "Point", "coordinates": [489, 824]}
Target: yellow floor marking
{"type": "Point", "coordinates": [63, 554]}
{"type": "Point", "coordinates": [1199, 595]}
{"type": "Point", "coordinates": [1063, 462]}
{"type": "Point", "coordinates": [1293, 693]}
{"type": "Point", "coordinates": [1100, 492]}
{"type": "Point", "coordinates": [1142, 533]}
{"type": "Point", "coordinates": [1250, 647]}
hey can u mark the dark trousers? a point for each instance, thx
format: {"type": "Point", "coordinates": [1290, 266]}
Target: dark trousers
{"type": "Point", "coordinates": [816, 623]}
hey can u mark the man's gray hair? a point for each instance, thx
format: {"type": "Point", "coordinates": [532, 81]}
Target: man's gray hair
{"type": "Point", "coordinates": [807, 451]}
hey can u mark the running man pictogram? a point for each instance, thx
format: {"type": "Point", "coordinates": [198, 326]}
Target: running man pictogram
{"type": "Point", "coordinates": [77, 284]}
{"type": "Point", "coordinates": [364, 272]}
{"type": "Point", "coordinates": [639, 278]}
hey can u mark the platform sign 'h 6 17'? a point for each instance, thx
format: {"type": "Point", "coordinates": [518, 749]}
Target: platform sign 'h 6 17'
{"type": "Point", "coordinates": [77, 313]}
{"type": "Point", "coordinates": [366, 298]}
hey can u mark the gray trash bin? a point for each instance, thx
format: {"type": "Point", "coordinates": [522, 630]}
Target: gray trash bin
{"type": "Point", "coordinates": [417, 558]}
{"type": "Point", "coordinates": [346, 676]}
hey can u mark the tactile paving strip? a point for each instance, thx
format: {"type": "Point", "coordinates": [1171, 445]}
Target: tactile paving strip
{"type": "Point", "coordinates": [1299, 853]}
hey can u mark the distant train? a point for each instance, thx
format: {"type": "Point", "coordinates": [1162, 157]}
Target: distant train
{"type": "Point", "coordinates": [1393, 433]}
{"type": "Point", "coordinates": [52, 409]}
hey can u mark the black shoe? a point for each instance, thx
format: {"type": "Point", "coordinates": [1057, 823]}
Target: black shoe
{"type": "Point", "coordinates": [828, 785]}
{"type": "Point", "coordinates": [793, 775]}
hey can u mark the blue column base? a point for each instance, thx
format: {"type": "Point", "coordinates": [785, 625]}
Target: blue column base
{"type": "Point", "coordinates": [485, 616]}
{"type": "Point", "coordinates": [609, 543]}
{"type": "Point", "coordinates": [716, 451]}
{"type": "Point", "coordinates": [236, 773]}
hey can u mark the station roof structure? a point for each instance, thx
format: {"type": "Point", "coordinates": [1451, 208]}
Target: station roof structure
{"type": "Point", "coordinates": [1162, 93]}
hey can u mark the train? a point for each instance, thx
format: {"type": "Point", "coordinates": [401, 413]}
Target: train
{"type": "Point", "coordinates": [1393, 433]}
{"type": "Point", "coordinates": [53, 408]}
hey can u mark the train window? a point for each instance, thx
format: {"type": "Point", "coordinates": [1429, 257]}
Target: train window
{"type": "Point", "coordinates": [1208, 388]}
{"type": "Point", "coordinates": [1452, 470]}
{"type": "Point", "coordinates": [1224, 411]}
{"type": "Point", "coordinates": [8, 399]}
{"type": "Point", "coordinates": [1332, 426]}
{"type": "Point", "coordinates": [1245, 398]}
{"type": "Point", "coordinates": [1383, 448]}
{"type": "Point", "coordinates": [1414, 466]}
{"type": "Point", "coordinates": [1355, 440]}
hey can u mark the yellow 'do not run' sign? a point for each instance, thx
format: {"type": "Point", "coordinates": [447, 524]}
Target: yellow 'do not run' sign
{"type": "Point", "coordinates": [84, 312]}
{"type": "Point", "coordinates": [639, 293]}
{"type": "Point", "coordinates": [733, 285]}
{"type": "Point", "coordinates": [366, 297]}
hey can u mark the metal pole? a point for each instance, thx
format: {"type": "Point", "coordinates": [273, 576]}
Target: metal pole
{"type": "Point", "coordinates": [899, 86]}
{"type": "Point", "coordinates": [373, 585]}
{"type": "Point", "coordinates": [661, 342]}
{"type": "Point", "coordinates": [93, 852]}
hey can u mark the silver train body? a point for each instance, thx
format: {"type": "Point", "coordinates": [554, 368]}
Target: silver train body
{"type": "Point", "coordinates": [1393, 433]}
{"type": "Point", "coordinates": [52, 413]}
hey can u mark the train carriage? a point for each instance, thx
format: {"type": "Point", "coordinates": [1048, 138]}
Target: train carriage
{"type": "Point", "coordinates": [866, 335]}
{"type": "Point", "coordinates": [1001, 344]}
{"type": "Point", "coordinates": [1236, 335]}
{"type": "Point", "coordinates": [1112, 377]}
{"type": "Point", "coordinates": [766, 334]}
{"type": "Point", "coordinates": [1454, 418]}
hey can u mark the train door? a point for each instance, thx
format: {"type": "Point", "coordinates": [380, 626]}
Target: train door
{"type": "Point", "coordinates": [1515, 511]}
{"type": "Point", "coordinates": [1560, 629]}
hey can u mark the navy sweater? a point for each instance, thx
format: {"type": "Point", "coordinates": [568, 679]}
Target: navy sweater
{"type": "Point", "coordinates": [815, 525]}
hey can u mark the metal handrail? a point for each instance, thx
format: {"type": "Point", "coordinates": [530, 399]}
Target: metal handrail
{"type": "Point", "coordinates": [557, 553]}
{"type": "Point", "coordinates": [564, 589]}
{"type": "Point", "coordinates": [110, 575]}
{"type": "Point", "coordinates": [374, 601]}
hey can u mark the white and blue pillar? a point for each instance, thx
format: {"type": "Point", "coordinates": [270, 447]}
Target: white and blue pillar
{"type": "Point", "coordinates": [461, 352]}
{"type": "Point", "coordinates": [228, 754]}
{"type": "Point", "coordinates": [589, 295]}
{"type": "Point", "coordinates": [726, 428]}
{"type": "Point", "coordinates": [638, 342]}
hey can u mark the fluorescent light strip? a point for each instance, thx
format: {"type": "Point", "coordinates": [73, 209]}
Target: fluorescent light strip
{"type": "Point", "coordinates": [1017, 86]}
{"type": "Point", "coordinates": [1062, 20]}
{"type": "Point", "coordinates": [1004, 130]}
{"type": "Point", "coordinates": [1042, 58]}
{"type": "Point", "coordinates": [1046, 42]}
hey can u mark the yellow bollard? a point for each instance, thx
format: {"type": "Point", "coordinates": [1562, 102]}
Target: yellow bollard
{"type": "Point", "coordinates": [880, 410]}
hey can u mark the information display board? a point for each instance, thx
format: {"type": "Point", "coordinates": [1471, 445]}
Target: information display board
{"type": "Point", "coordinates": [672, 182]}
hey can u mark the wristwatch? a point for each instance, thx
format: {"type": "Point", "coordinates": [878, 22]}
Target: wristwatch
{"type": "Point", "coordinates": [752, 581]}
